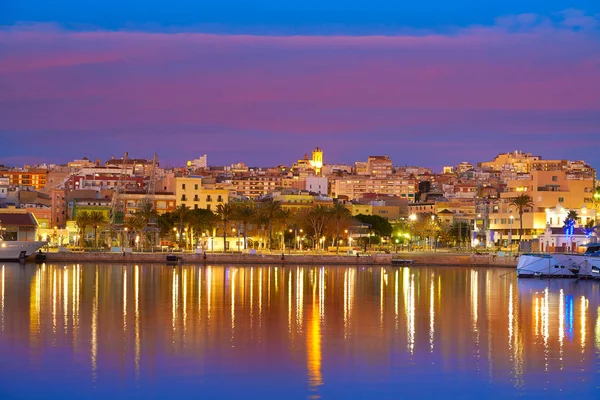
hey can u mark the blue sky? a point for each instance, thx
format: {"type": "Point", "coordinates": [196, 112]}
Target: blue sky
{"type": "Point", "coordinates": [277, 16]}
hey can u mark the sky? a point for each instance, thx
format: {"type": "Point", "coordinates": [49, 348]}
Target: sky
{"type": "Point", "coordinates": [427, 83]}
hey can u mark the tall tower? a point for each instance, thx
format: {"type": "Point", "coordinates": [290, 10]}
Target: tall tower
{"type": "Point", "coordinates": [317, 160]}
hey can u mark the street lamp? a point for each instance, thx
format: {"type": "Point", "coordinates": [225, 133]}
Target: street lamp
{"type": "Point", "coordinates": [412, 218]}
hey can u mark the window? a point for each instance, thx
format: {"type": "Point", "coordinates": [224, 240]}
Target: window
{"type": "Point", "coordinates": [208, 198]}
{"type": "Point", "coordinates": [196, 197]}
{"type": "Point", "coordinates": [195, 206]}
{"type": "Point", "coordinates": [219, 198]}
{"type": "Point", "coordinates": [183, 186]}
{"type": "Point", "coordinates": [554, 178]}
{"type": "Point", "coordinates": [196, 186]}
{"type": "Point", "coordinates": [561, 199]}
{"type": "Point", "coordinates": [183, 198]}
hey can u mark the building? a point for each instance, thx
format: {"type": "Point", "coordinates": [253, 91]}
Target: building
{"type": "Point", "coordinates": [547, 186]}
{"type": "Point", "coordinates": [198, 163]}
{"type": "Point", "coordinates": [379, 166]}
{"type": "Point", "coordinates": [34, 177]}
{"type": "Point", "coordinates": [4, 185]}
{"type": "Point", "coordinates": [317, 184]}
{"type": "Point", "coordinates": [163, 202]}
{"type": "Point", "coordinates": [255, 186]}
{"type": "Point", "coordinates": [137, 166]}
{"type": "Point", "coordinates": [18, 224]}
{"type": "Point", "coordinates": [317, 160]}
{"type": "Point", "coordinates": [516, 161]}
{"type": "Point", "coordinates": [89, 205]}
{"type": "Point", "coordinates": [355, 187]}
{"type": "Point", "coordinates": [190, 192]}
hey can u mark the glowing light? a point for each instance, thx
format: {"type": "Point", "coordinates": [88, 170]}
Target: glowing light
{"type": "Point", "coordinates": [3, 297]}
{"type": "Point", "coordinates": [431, 314]}
{"type": "Point", "coordinates": [136, 280]}
{"type": "Point", "coordinates": [583, 310]}
{"type": "Point", "coordinates": [233, 273]}
{"type": "Point", "coordinates": [598, 328]}
{"type": "Point", "coordinates": [94, 341]}
{"type": "Point", "coordinates": [299, 298]}
{"type": "Point", "coordinates": [561, 325]}
{"type": "Point", "coordinates": [125, 300]}
{"type": "Point", "coordinates": [314, 352]}
{"type": "Point", "coordinates": [174, 300]}
{"type": "Point", "coordinates": [54, 301]}
{"type": "Point", "coordinates": [65, 290]}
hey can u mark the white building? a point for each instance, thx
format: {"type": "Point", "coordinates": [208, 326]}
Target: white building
{"type": "Point", "coordinates": [4, 184]}
{"type": "Point", "coordinates": [198, 163]}
{"type": "Point", "coordinates": [317, 184]}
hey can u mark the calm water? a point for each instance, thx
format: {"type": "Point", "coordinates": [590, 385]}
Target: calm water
{"type": "Point", "coordinates": [294, 332]}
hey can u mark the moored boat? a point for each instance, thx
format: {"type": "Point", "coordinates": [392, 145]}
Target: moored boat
{"type": "Point", "coordinates": [586, 265]}
{"type": "Point", "coordinates": [18, 250]}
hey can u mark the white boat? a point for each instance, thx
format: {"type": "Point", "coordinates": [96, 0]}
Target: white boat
{"type": "Point", "coordinates": [18, 250]}
{"type": "Point", "coordinates": [586, 265]}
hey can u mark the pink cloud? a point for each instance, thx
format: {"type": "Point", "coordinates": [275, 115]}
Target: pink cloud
{"type": "Point", "coordinates": [132, 81]}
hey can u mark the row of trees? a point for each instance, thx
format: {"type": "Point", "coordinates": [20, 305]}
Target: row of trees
{"type": "Point", "coordinates": [267, 215]}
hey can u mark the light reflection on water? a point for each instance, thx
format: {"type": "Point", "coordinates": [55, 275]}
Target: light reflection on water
{"type": "Point", "coordinates": [299, 332]}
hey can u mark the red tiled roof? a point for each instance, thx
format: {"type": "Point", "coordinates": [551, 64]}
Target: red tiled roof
{"type": "Point", "coordinates": [17, 219]}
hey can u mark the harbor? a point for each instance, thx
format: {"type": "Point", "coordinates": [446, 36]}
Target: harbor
{"type": "Point", "coordinates": [407, 258]}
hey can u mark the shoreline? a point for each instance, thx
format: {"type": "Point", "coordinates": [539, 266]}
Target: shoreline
{"type": "Point", "coordinates": [406, 259]}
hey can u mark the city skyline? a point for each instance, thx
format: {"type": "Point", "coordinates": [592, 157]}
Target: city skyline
{"type": "Point", "coordinates": [182, 163]}
{"type": "Point", "coordinates": [425, 91]}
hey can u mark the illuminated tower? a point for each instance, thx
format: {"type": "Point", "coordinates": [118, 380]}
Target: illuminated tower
{"type": "Point", "coordinates": [317, 160]}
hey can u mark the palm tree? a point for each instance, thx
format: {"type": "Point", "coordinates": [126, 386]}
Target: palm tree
{"type": "Point", "coordinates": [133, 224]}
{"type": "Point", "coordinates": [245, 213]}
{"type": "Point", "coordinates": [270, 209]}
{"type": "Point", "coordinates": [82, 220]}
{"type": "Point", "coordinates": [569, 225]}
{"type": "Point", "coordinates": [181, 213]}
{"type": "Point", "coordinates": [283, 216]}
{"type": "Point", "coordinates": [200, 220]}
{"type": "Point", "coordinates": [522, 202]}
{"type": "Point", "coordinates": [339, 213]}
{"type": "Point", "coordinates": [96, 219]}
{"type": "Point", "coordinates": [147, 215]}
{"type": "Point", "coordinates": [225, 214]}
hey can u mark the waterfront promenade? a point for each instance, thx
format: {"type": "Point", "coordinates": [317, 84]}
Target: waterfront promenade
{"type": "Point", "coordinates": [415, 258]}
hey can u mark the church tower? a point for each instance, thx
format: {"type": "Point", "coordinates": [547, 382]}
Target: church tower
{"type": "Point", "coordinates": [317, 160]}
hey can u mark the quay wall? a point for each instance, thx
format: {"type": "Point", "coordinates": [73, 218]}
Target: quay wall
{"type": "Point", "coordinates": [417, 259]}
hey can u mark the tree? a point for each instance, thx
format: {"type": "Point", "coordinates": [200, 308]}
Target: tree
{"type": "Point", "coordinates": [379, 225]}
{"type": "Point", "coordinates": [522, 202]}
{"type": "Point", "coordinates": [147, 215]}
{"type": "Point", "coordinates": [270, 209]}
{"type": "Point", "coordinates": [569, 225]}
{"type": "Point", "coordinates": [316, 218]}
{"type": "Point", "coordinates": [339, 213]}
{"type": "Point", "coordinates": [245, 213]}
{"type": "Point", "coordinates": [82, 220]}
{"type": "Point", "coordinates": [200, 221]}
{"type": "Point", "coordinates": [459, 231]}
{"type": "Point", "coordinates": [181, 214]}
{"type": "Point", "coordinates": [225, 214]}
{"type": "Point", "coordinates": [133, 224]}
{"type": "Point", "coordinates": [283, 217]}
{"type": "Point", "coordinates": [96, 219]}
{"type": "Point", "coordinates": [592, 230]}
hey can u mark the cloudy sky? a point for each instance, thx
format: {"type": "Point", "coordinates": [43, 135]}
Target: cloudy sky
{"type": "Point", "coordinates": [430, 83]}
